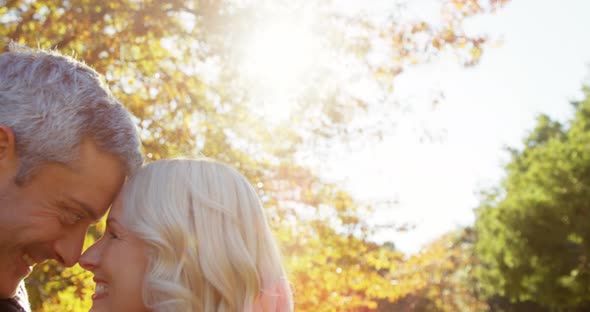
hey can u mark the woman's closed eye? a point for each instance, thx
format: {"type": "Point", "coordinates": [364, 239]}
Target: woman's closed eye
{"type": "Point", "coordinates": [114, 230]}
{"type": "Point", "coordinates": [112, 235]}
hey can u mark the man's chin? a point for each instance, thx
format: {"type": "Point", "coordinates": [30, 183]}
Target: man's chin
{"type": "Point", "coordinates": [12, 274]}
{"type": "Point", "coordinates": [8, 289]}
{"type": "Point", "coordinates": [9, 285]}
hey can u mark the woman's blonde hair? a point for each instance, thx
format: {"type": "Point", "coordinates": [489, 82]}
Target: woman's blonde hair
{"type": "Point", "coordinates": [209, 244]}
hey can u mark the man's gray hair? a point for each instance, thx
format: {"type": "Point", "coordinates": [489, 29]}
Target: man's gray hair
{"type": "Point", "coordinates": [52, 102]}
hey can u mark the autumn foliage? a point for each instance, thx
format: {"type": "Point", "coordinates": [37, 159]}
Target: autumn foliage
{"type": "Point", "coordinates": [154, 55]}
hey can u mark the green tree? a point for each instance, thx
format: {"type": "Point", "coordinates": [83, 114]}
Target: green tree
{"type": "Point", "coordinates": [533, 239]}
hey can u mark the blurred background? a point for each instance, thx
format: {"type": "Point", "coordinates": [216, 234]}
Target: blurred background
{"type": "Point", "coordinates": [412, 155]}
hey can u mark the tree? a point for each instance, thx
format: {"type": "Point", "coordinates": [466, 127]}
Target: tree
{"type": "Point", "coordinates": [446, 268]}
{"type": "Point", "coordinates": [157, 57]}
{"type": "Point", "coordinates": [533, 239]}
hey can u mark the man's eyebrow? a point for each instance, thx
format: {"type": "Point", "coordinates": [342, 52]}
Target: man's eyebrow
{"type": "Point", "coordinates": [89, 212]}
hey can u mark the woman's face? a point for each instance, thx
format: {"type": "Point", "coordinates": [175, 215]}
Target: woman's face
{"type": "Point", "coordinates": [118, 261]}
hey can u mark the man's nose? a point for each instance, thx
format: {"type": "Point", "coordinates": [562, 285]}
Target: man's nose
{"type": "Point", "coordinates": [69, 247]}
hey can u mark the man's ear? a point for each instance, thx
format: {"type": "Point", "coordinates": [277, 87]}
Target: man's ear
{"type": "Point", "coordinates": [7, 146]}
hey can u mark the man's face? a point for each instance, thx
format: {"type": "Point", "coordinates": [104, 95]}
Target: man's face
{"type": "Point", "coordinates": [48, 216]}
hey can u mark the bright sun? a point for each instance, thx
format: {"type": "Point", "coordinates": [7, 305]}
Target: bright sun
{"type": "Point", "coordinates": [275, 63]}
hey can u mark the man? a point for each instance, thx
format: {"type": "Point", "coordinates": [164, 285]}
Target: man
{"type": "Point", "coordinates": [66, 146]}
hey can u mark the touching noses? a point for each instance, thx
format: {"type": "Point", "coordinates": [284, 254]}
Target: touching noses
{"type": "Point", "coordinates": [69, 248]}
{"type": "Point", "coordinates": [89, 260]}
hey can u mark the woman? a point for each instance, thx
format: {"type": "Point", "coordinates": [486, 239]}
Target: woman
{"type": "Point", "coordinates": [187, 235]}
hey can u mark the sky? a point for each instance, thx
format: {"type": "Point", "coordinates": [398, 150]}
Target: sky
{"type": "Point", "coordinates": [538, 65]}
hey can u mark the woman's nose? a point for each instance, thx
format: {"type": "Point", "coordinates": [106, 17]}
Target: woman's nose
{"type": "Point", "coordinates": [91, 257]}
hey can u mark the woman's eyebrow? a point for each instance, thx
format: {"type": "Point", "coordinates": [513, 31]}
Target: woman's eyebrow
{"type": "Point", "coordinates": [117, 227]}
{"type": "Point", "coordinates": [111, 221]}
